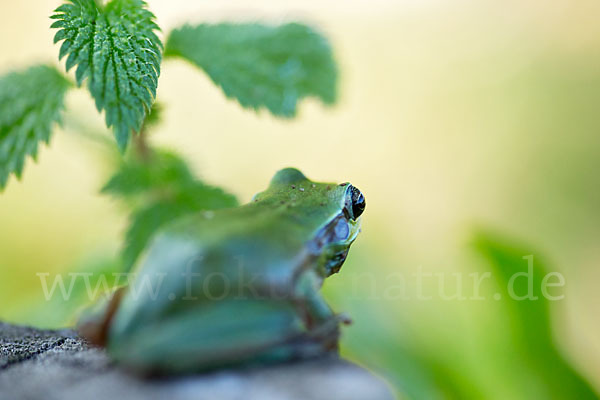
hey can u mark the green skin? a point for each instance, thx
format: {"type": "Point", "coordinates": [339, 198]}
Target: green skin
{"type": "Point", "coordinates": [239, 285]}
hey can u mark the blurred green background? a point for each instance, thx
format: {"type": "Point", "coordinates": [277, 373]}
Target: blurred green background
{"type": "Point", "coordinates": [456, 118]}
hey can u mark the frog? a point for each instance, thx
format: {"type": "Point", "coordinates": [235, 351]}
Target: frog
{"type": "Point", "coordinates": [236, 286]}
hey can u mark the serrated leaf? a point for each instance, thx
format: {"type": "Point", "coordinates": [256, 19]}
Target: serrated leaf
{"type": "Point", "coordinates": [31, 102]}
{"type": "Point", "coordinates": [160, 188]}
{"type": "Point", "coordinates": [117, 50]}
{"type": "Point", "coordinates": [260, 65]}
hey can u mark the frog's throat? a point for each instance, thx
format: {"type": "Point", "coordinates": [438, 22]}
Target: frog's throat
{"type": "Point", "coordinates": [329, 247]}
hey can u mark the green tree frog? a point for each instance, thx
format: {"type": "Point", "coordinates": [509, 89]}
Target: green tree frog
{"type": "Point", "coordinates": [238, 285]}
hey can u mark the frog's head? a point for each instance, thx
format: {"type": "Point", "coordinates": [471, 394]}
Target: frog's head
{"type": "Point", "coordinates": [330, 214]}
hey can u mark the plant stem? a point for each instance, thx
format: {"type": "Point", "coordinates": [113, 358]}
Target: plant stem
{"type": "Point", "coordinates": [141, 147]}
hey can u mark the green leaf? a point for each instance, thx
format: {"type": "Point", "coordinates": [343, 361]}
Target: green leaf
{"type": "Point", "coordinates": [259, 65]}
{"type": "Point", "coordinates": [163, 171]}
{"type": "Point", "coordinates": [160, 188]}
{"type": "Point", "coordinates": [31, 101]}
{"type": "Point", "coordinates": [117, 49]}
{"type": "Point", "coordinates": [531, 326]}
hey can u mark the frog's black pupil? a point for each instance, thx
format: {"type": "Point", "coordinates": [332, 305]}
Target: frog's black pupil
{"type": "Point", "coordinates": [358, 203]}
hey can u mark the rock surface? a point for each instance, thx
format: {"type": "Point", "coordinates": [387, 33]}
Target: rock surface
{"type": "Point", "coordinates": [59, 365]}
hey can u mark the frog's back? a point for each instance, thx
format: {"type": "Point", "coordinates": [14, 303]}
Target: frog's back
{"type": "Point", "coordinates": [244, 239]}
{"type": "Point", "coordinates": [234, 253]}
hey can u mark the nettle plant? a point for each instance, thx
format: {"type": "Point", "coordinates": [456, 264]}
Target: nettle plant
{"type": "Point", "coordinates": [115, 50]}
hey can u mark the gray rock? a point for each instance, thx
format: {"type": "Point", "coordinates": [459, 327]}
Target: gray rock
{"type": "Point", "coordinates": [36, 364]}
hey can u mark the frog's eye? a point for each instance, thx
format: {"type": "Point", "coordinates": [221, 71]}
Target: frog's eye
{"type": "Point", "coordinates": [355, 204]}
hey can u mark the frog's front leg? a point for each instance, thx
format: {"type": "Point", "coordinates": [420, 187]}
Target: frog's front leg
{"type": "Point", "coordinates": [320, 320]}
{"type": "Point", "coordinates": [312, 306]}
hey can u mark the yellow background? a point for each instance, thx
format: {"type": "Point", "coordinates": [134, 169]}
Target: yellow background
{"type": "Point", "coordinates": [453, 114]}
